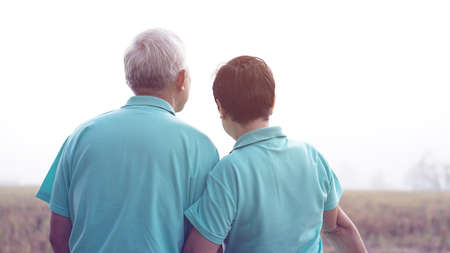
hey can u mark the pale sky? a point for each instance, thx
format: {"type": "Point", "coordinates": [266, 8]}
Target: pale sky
{"type": "Point", "coordinates": [367, 83]}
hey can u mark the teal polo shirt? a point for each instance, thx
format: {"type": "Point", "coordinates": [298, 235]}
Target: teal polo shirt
{"type": "Point", "coordinates": [267, 195]}
{"type": "Point", "coordinates": [45, 190]}
{"type": "Point", "coordinates": [125, 177]}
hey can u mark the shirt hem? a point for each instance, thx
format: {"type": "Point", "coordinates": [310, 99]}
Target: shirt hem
{"type": "Point", "coordinates": [59, 210]}
{"type": "Point", "coordinates": [331, 206]}
{"type": "Point", "coordinates": [208, 235]}
{"type": "Point", "coordinates": [43, 196]}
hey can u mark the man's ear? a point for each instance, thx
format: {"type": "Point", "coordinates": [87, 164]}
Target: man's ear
{"type": "Point", "coordinates": [223, 115]}
{"type": "Point", "coordinates": [181, 77]}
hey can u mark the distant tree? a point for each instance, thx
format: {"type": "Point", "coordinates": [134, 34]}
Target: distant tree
{"type": "Point", "coordinates": [429, 175]}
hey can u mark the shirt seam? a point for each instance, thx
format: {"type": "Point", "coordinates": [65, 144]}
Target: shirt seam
{"type": "Point", "coordinates": [230, 195]}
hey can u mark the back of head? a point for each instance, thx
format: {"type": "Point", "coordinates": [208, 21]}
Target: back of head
{"type": "Point", "coordinates": [245, 88]}
{"type": "Point", "coordinates": [153, 60]}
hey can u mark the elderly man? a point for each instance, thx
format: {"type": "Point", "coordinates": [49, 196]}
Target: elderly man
{"type": "Point", "coordinates": [124, 178]}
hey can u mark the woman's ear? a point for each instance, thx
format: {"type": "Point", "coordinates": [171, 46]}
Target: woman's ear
{"type": "Point", "coordinates": [220, 108]}
{"type": "Point", "coordinates": [271, 108]}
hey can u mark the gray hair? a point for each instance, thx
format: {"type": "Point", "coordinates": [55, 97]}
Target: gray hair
{"type": "Point", "coordinates": [154, 59]}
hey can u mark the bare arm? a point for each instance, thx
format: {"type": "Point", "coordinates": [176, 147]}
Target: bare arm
{"type": "Point", "coordinates": [196, 243]}
{"type": "Point", "coordinates": [60, 229]}
{"type": "Point", "coordinates": [341, 232]}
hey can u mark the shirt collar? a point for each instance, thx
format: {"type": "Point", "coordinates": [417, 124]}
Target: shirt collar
{"type": "Point", "coordinates": [258, 135]}
{"type": "Point", "coordinates": [150, 101]}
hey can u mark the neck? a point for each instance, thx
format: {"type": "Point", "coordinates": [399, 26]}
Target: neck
{"type": "Point", "coordinates": [163, 94]}
{"type": "Point", "coordinates": [241, 129]}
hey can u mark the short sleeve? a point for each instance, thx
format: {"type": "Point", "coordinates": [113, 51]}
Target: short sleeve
{"type": "Point", "coordinates": [59, 198]}
{"type": "Point", "coordinates": [334, 189]}
{"type": "Point", "coordinates": [44, 192]}
{"type": "Point", "coordinates": [212, 215]}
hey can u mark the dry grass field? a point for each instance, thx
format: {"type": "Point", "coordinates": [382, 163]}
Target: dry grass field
{"type": "Point", "coordinates": [389, 222]}
{"type": "Point", "coordinates": [394, 222]}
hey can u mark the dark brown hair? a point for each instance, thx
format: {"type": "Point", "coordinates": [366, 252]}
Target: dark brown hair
{"type": "Point", "coordinates": [245, 88]}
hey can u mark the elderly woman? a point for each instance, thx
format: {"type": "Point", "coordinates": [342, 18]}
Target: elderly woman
{"type": "Point", "coordinates": [270, 194]}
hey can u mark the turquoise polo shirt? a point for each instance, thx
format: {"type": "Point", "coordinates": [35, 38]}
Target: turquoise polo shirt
{"type": "Point", "coordinates": [267, 195]}
{"type": "Point", "coordinates": [45, 190]}
{"type": "Point", "coordinates": [125, 177]}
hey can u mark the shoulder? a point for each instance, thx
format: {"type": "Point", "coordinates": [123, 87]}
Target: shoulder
{"type": "Point", "coordinates": [227, 161]}
{"type": "Point", "coordinates": [194, 135]}
{"type": "Point", "coordinates": [93, 121]}
{"type": "Point", "coordinates": [300, 148]}
{"type": "Point", "coordinates": [225, 167]}
{"type": "Point", "coordinates": [310, 151]}
{"type": "Point", "coordinates": [225, 173]}
{"type": "Point", "coordinates": [299, 144]}
{"type": "Point", "coordinates": [316, 155]}
{"type": "Point", "coordinates": [319, 161]}
{"type": "Point", "coordinates": [84, 127]}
